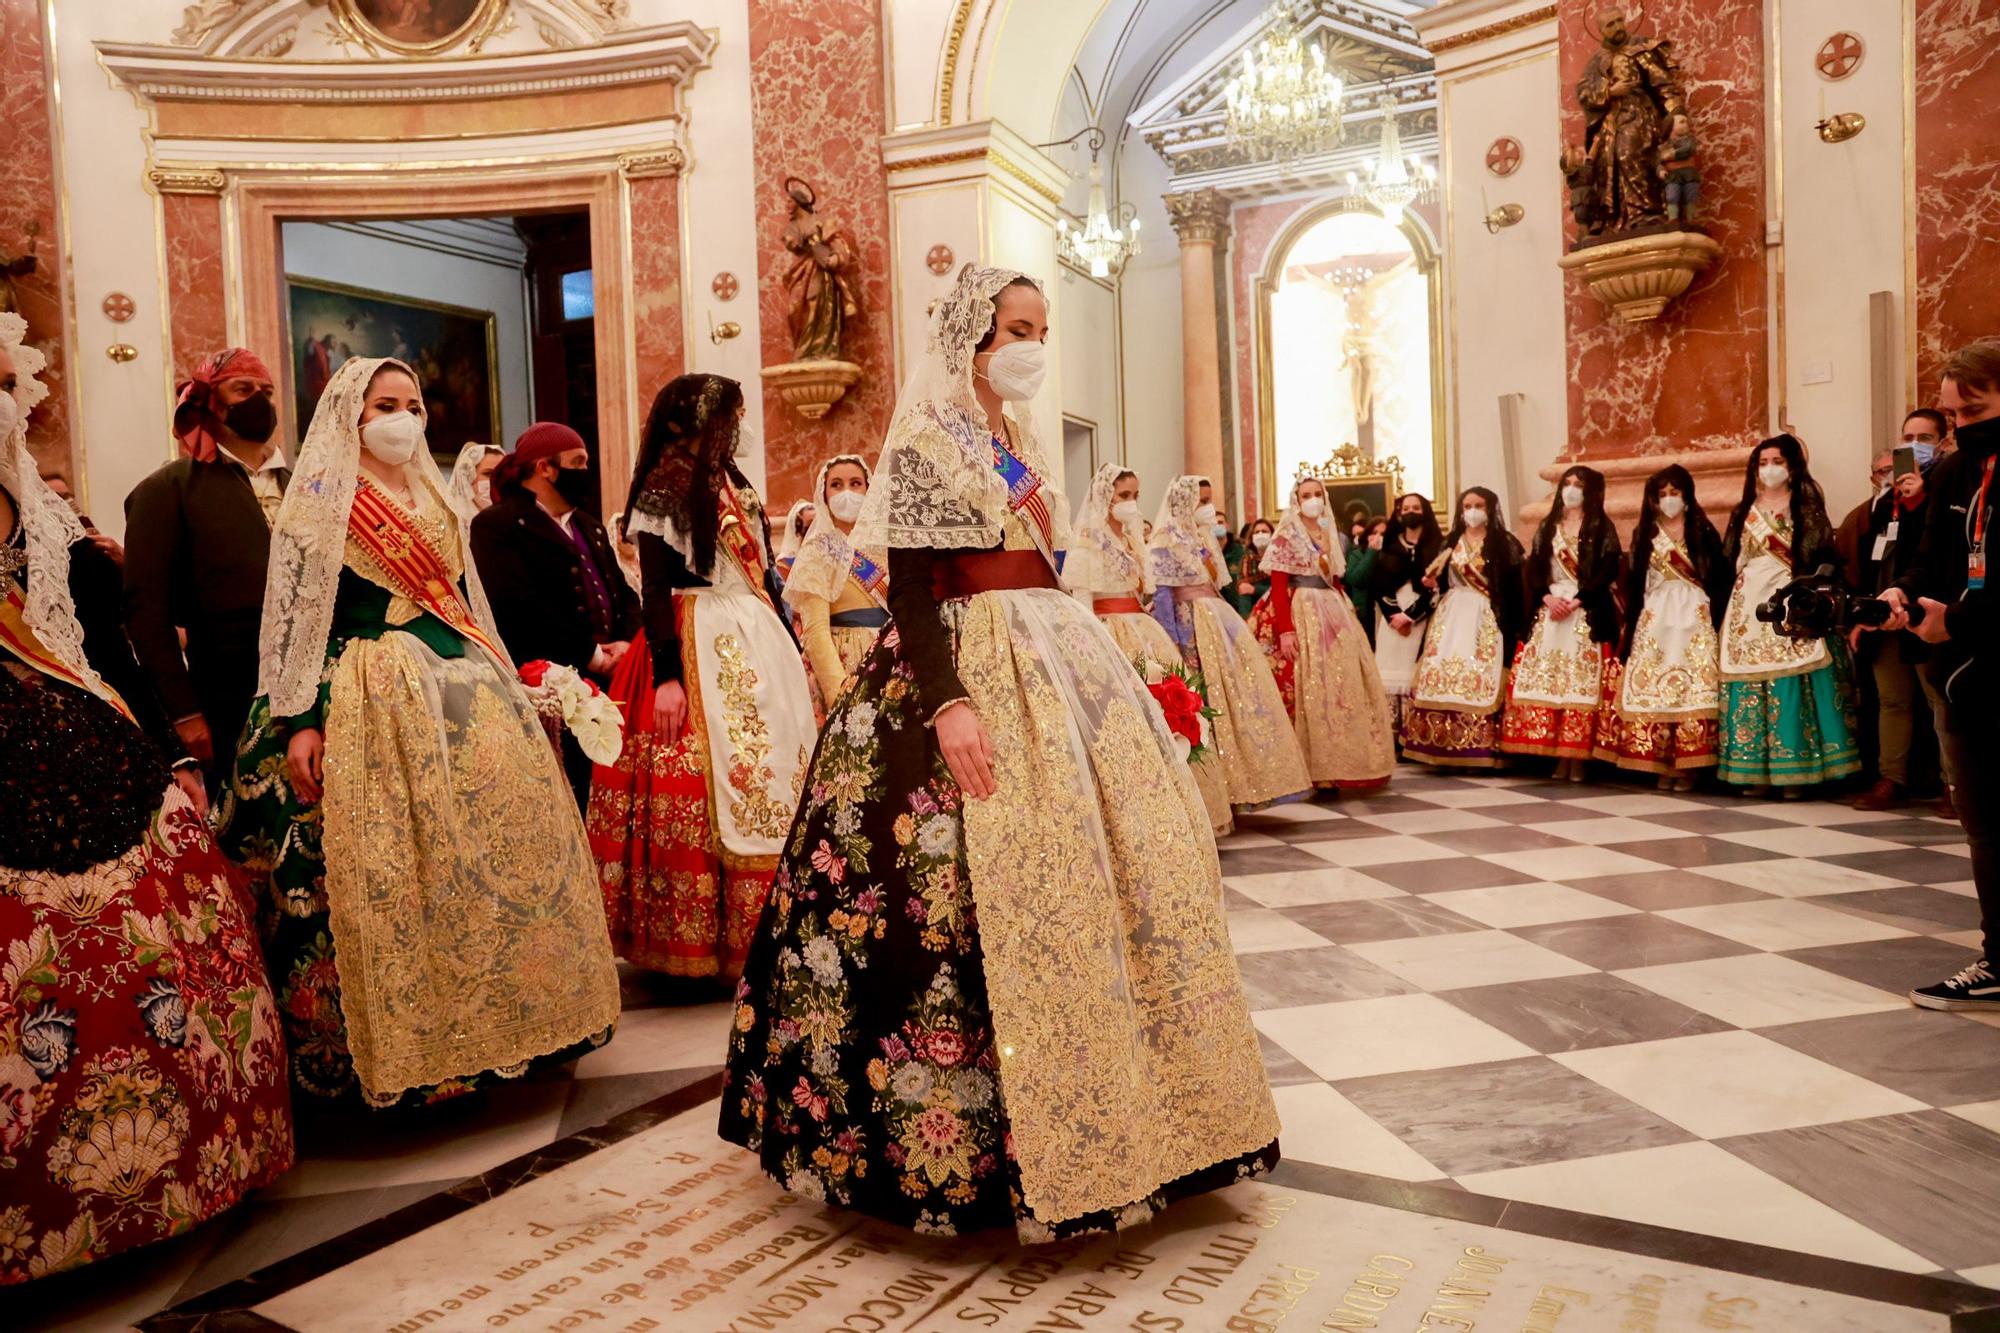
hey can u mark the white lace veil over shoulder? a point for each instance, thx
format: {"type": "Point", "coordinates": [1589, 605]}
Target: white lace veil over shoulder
{"type": "Point", "coordinates": [826, 557]}
{"type": "Point", "coordinates": [50, 526]}
{"type": "Point", "coordinates": [309, 542]}
{"type": "Point", "coordinates": [935, 485]}
{"type": "Point", "coordinates": [1179, 548]}
{"type": "Point", "coordinates": [1296, 545]}
{"type": "Point", "coordinates": [1100, 560]}
{"type": "Point", "coordinates": [465, 474]}
{"type": "Point", "coordinates": [791, 538]}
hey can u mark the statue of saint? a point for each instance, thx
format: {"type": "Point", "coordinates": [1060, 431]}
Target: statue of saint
{"type": "Point", "coordinates": [1631, 96]}
{"type": "Point", "coordinates": [822, 293]}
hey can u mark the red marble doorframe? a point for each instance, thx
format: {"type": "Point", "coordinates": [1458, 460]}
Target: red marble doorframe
{"type": "Point", "coordinates": [1957, 298]}
{"type": "Point", "coordinates": [197, 312]}
{"type": "Point", "coordinates": [659, 341]}
{"type": "Point", "coordinates": [30, 201]}
{"type": "Point", "coordinates": [1697, 377]}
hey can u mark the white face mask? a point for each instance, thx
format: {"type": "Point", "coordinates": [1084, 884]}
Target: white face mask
{"type": "Point", "coordinates": [1205, 516]}
{"type": "Point", "coordinates": [1311, 507]}
{"type": "Point", "coordinates": [1672, 506]}
{"type": "Point", "coordinates": [1773, 475]}
{"type": "Point", "coordinates": [1016, 370]}
{"type": "Point", "coordinates": [394, 438]}
{"type": "Point", "coordinates": [1260, 539]}
{"type": "Point", "coordinates": [10, 416]}
{"type": "Point", "coordinates": [1475, 519]}
{"type": "Point", "coordinates": [1572, 497]}
{"type": "Point", "coordinates": [1126, 511]}
{"type": "Point", "coordinates": [846, 505]}
{"type": "Point", "coordinates": [482, 491]}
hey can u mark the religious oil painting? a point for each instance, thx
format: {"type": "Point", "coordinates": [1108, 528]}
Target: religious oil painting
{"type": "Point", "coordinates": [417, 26]}
{"type": "Point", "coordinates": [450, 347]}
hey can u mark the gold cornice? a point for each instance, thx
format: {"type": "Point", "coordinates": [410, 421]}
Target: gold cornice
{"type": "Point", "coordinates": [937, 160]}
{"type": "Point", "coordinates": [954, 40]}
{"type": "Point", "coordinates": [668, 161]}
{"type": "Point", "coordinates": [1023, 175]}
{"type": "Point", "coordinates": [1500, 29]}
{"type": "Point", "coordinates": [187, 180]}
{"type": "Point", "coordinates": [993, 156]}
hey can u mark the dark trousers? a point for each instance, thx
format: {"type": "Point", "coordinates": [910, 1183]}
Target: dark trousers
{"type": "Point", "coordinates": [576, 767]}
{"type": "Point", "coordinates": [1976, 790]}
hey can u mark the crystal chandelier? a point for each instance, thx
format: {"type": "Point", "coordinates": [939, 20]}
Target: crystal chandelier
{"type": "Point", "coordinates": [1286, 103]}
{"type": "Point", "coordinates": [1101, 245]}
{"type": "Point", "coordinates": [1391, 181]}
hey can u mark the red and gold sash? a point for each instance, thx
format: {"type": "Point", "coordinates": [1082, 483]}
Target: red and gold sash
{"type": "Point", "coordinates": [734, 536]}
{"type": "Point", "coordinates": [1472, 570]}
{"type": "Point", "coordinates": [1566, 558]}
{"type": "Point", "coordinates": [415, 567]}
{"type": "Point", "coordinates": [19, 638]}
{"type": "Point", "coordinates": [1675, 560]}
{"type": "Point", "coordinates": [1776, 541]}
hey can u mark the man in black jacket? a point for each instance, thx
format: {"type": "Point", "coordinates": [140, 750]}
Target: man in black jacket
{"type": "Point", "coordinates": [1954, 586]}
{"type": "Point", "coordinates": [1890, 535]}
{"type": "Point", "coordinates": [197, 536]}
{"type": "Point", "coordinates": [549, 569]}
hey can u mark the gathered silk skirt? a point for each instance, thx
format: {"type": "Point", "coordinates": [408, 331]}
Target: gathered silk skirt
{"type": "Point", "coordinates": [687, 835]}
{"type": "Point", "coordinates": [1260, 757]}
{"type": "Point", "coordinates": [1019, 1011]}
{"type": "Point", "coordinates": [433, 923]}
{"type": "Point", "coordinates": [1459, 687]}
{"type": "Point", "coordinates": [1341, 713]}
{"type": "Point", "coordinates": [1141, 639]}
{"type": "Point", "coordinates": [142, 1071]}
{"type": "Point", "coordinates": [1792, 731]}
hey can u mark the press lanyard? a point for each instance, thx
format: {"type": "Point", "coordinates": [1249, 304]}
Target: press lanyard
{"type": "Point", "coordinates": [1975, 559]}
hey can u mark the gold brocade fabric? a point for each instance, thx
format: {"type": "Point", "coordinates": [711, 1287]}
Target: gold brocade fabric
{"type": "Point", "coordinates": [1342, 720]}
{"type": "Point", "coordinates": [1461, 670]}
{"type": "Point", "coordinates": [1253, 734]}
{"type": "Point", "coordinates": [1559, 665]}
{"type": "Point", "coordinates": [1751, 648]}
{"type": "Point", "coordinates": [463, 901]}
{"type": "Point", "coordinates": [1673, 674]}
{"type": "Point", "coordinates": [1127, 1055]}
{"type": "Point", "coordinates": [1141, 638]}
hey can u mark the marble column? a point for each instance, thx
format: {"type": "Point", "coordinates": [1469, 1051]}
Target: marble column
{"type": "Point", "coordinates": [1200, 218]}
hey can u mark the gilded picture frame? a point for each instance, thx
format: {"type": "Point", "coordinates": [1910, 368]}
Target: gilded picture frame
{"type": "Point", "coordinates": [417, 27]}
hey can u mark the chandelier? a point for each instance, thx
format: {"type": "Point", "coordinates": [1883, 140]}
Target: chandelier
{"type": "Point", "coordinates": [1100, 245]}
{"type": "Point", "coordinates": [1391, 181]}
{"type": "Point", "coordinates": [1286, 102]}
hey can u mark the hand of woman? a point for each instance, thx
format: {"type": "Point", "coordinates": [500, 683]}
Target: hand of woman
{"type": "Point", "coordinates": [968, 750]}
{"type": "Point", "coordinates": [670, 706]}
{"type": "Point", "coordinates": [1246, 588]}
{"type": "Point", "coordinates": [302, 764]}
{"type": "Point", "coordinates": [1401, 623]}
{"type": "Point", "coordinates": [1431, 582]}
{"type": "Point", "coordinates": [188, 779]}
{"type": "Point", "coordinates": [194, 734]}
{"type": "Point", "coordinates": [1288, 645]}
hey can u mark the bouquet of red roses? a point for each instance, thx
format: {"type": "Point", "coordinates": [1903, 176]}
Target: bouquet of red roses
{"type": "Point", "coordinates": [1183, 699]}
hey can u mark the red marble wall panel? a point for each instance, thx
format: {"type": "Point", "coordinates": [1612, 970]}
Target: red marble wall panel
{"type": "Point", "coordinates": [1958, 180]}
{"type": "Point", "coordinates": [1697, 377]}
{"type": "Point", "coordinates": [197, 312]}
{"type": "Point", "coordinates": [817, 107]}
{"type": "Point", "coordinates": [28, 207]}
{"type": "Point", "coordinates": [658, 336]}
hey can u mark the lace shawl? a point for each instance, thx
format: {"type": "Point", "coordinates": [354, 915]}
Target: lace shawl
{"type": "Point", "coordinates": [1297, 546]}
{"type": "Point", "coordinates": [825, 558]}
{"type": "Point", "coordinates": [1100, 560]}
{"type": "Point", "coordinates": [790, 540]}
{"type": "Point", "coordinates": [936, 486]}
{"type": "Point", "coordinates": [309, 542]}
{"type": "Point", "coordinates": [50, 525]}
{"type": "Point", "coordinates": [465, 475]}
{"type": "Point", "coordinates": [1180, 554]}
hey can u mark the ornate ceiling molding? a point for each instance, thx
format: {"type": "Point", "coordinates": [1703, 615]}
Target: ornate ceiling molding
{"type": "Point", "coordinates": [269, 29]}
{"type": "Point", "coordinates": [1486, 32]}
{"type": "Point", "coordinates": [187, 180]}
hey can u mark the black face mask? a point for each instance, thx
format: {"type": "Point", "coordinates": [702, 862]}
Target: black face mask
{"type": "Point", "coordinates": [254, 419]}
{"type": "Point", "coordinates": [574, 486]}
{"type": "Point", "coordinates": [1413, 521]}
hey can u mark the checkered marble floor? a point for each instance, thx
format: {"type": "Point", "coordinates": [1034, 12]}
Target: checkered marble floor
{"type": "Point", "coordinates": [1684, 1010]}
{"type": "Point", "coordinates": [1680, 1010]}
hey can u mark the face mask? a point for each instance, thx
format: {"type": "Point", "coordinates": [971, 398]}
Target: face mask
{"type": "Point", "coordinates": [10, 416]}
{"type": "Point", "coordinates": [1260, 539]}
{"type": "Point", "coordinates": [573, 485]}
{"type": "Point", "coordinates": [1413, 521]}
{"type": "Point", "coordinates": [1205, 516]}
{"type": "Point", "coordinates": [1312, 507]}
{"type": "Point", "coordinates": [846, 506]}
{"type": "Point", "coordinates": [1572, 497]}
{"type": "Point", "coordinates": [1221, 531]}
{"type": "Point", "coordinates": [1672, 506]}
{"type": "Point", "coordinates": [394, 438]}
{"type": "Point", "coordinates": [1773, 475]}
{"type": "Point", "coordinates": [482, 491]}
{"type": "Point", "coordinates": [1016, 370]}
{"type": "Point", "coordinates": [1126, 511]}
{"type": "Point", "coordinates": [253, 419]}
{"type": "Point", "coordinates": [1475, 519]}
{"type": "Point", "coordinates": [1924, 454]}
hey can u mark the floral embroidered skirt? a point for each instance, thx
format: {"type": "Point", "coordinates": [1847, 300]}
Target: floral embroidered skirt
{"type": "Point", "coordinates": [1263, 622]}
{"type": "Point", "coordinates": [142, 1062]}
{"type": "Point", "coordinates": [1559, 731]}
{"type": "Point", "coordinates": [1141, 639]}
{"type": "Point", "coordinates": [1650, 743]}
{"type": "Point", "coordinates": [1790, 732]}
{"type": "Point", "coordinates": [1020, 1012]}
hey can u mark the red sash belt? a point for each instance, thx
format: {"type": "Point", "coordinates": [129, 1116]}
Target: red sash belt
{"type": "Point", "coordinates": [1117, 606]}
{"type": "Point", "coordinates": [969, 573]}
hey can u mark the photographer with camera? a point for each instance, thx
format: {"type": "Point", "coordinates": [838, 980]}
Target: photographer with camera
{"type": "Point", "coordinates": [1960, 619]}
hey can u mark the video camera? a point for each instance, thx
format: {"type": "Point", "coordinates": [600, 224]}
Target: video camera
{"type": "Point", "coordinates": [1819, 606]}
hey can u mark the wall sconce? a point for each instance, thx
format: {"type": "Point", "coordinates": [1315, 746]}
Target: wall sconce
{"type": "Point", "coordinates": [723, 332]}
{"type": "Point", "coordinates": [1841, 128]}
{"type": "Point", "coordinates": [1506, 215]}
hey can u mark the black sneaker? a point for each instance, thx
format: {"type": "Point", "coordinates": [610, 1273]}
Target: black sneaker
{"type": "Point", "coordinates": [1974, 988]}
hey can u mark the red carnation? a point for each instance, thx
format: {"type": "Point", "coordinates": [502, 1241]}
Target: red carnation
{"type": "Point", "coordinates": [532, 673]}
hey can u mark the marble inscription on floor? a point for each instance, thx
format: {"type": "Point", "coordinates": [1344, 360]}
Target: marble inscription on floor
{"type": "Point", "coordinates": [672, 1230]}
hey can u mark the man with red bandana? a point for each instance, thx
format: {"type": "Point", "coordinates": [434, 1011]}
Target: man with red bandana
{"type": "Point", "coordinates": [197, 535]}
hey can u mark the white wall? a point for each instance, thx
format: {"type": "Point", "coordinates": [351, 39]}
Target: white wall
{"type": "Point", "coordinates": [1087, 345]}
{"type": "Point", "coordinates": [330, 254]}
{"type": "Point", "coordinates": [1149, 300]}
{"type": "Point", "coordinates": [1843, 230]}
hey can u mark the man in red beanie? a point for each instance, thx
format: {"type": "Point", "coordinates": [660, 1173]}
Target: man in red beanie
{"type": "Point", "coordinates": [549, 568]}
{"type": "Point", "coordinates": [197, 536]}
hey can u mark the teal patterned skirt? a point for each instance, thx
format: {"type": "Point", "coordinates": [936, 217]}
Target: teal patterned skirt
{"type": "Point", "coordinates": [1790, 732]}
